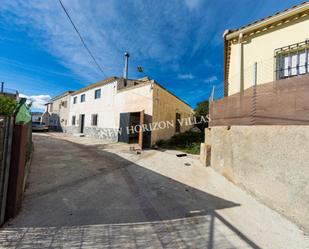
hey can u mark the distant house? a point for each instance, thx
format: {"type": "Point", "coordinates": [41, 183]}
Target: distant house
{"type": "Point", "coordinates": [57, 111]}
{"type": "Point", "coordinates": [273, 48]}
{"type": "Point", "coordinates": [110, 108]}
{"type": "Point", "coordinates": [36, 116]}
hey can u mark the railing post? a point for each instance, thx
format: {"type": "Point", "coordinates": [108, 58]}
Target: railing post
{"type": "Point", "coordinates": [253, 110]}
{"type": "Point", "coordinates": [255, 74]}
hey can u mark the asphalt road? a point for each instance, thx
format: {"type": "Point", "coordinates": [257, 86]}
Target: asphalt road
{"type": "Point", "coordinates": [82, 196]}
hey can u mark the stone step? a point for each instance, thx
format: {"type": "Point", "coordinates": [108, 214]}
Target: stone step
{"type": "Point", "coordinates": [78, 135]}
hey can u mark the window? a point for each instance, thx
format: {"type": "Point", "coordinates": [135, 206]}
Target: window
{"type": "Point", "coordinates": [64, 104]}
{"type": "Point", "coordinates": [177, 126]}
{"type": "Point", "coordinates": [82, 98]}
{"type": "Point", "coordinates": [292, 60]}
{"type": "Point", "coordinates": [74, 100]}
{"type": "Point", "coordinates": [97, 94]}
{"type": "Point", "coordinates": [94, 119]}
{"type": "Point", "coordinates": [73, 120]}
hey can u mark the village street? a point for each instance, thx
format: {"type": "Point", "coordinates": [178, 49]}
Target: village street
{"type": "Point", "coordinates": [92, 195]}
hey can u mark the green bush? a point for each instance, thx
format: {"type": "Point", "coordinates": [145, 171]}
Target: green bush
{"type": "Point", "coordinates": [188, 141]}
{"type": "Point", "coordinates": [7, 106]}
{"type": "Point", "coordinates": [194, 148]}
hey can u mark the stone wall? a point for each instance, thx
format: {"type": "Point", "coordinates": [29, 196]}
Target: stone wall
{"type": "Point", "coordinates": [72, 129]}
{"type": "Point", "coordinates": [270, 162]}
{"type": "Point", "coordinates": [106, 134]}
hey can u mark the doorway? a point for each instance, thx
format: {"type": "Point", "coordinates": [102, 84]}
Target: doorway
{"type": "Point", "coordinates": [82, 122]}
{"type": "Point", "coordinates": [131, 130]}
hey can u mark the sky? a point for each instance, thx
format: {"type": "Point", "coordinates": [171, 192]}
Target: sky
{"type": "Point", "coordinates": [177, 42]}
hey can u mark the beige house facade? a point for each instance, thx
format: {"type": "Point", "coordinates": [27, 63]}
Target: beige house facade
{"type": "Point", "coordinates": [57, 112]}
{"type": "Point", "coordinates": [116, 109]}
{"type": "Point", "coordinates": [271, 49]}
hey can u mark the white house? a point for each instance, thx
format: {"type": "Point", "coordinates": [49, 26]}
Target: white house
{"type": "Point", "coordinates": [107, 108]}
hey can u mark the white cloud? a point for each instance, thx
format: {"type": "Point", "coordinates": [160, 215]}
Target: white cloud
{"type": "Point", "coordinates": [211, 79]}
{"type": "Point", "coordinates": [38, 101]}
{"type": "Point", "coordinates": [186, 76]}
{"type": "Point", "coordinates": [107, 35]}
{"type": "Point", "coordinates": [192, 4]}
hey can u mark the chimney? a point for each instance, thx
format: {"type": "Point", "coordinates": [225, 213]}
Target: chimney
{"type": "Point", "coordinates": [126, 67]}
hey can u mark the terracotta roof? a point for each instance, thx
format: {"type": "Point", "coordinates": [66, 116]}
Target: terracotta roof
{"type": "Point", "coordinates": [269, 17]}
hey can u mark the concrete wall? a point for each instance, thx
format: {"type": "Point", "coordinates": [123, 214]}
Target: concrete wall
{"type": "Point", "coordinates": [260, 48]}
{"type": "Point", "coordinates": [271, 162]}
{"type": "Point", "coordinates": [135, 99]}
{"type": "Point", "coordinates": [165, 106]}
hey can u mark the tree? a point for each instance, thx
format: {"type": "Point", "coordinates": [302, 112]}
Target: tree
{"type": "Point", "coordinates": [202, 110]}
{"type": "Point", "coordinates": [7, 105]}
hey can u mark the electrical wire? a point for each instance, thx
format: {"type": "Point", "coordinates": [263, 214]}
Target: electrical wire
{"type": "Point", "coordinates": [81, 38]}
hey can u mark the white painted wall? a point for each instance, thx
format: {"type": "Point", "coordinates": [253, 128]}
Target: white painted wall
{"type": "Point", "coordinates": [111, 104]}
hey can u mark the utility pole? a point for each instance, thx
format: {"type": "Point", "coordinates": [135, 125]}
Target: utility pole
{"type": "Point", "coordinates": [2, 86]}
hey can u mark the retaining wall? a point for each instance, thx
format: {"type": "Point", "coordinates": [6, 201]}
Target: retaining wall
{"type": "Point", "coordinates": [270, 162]}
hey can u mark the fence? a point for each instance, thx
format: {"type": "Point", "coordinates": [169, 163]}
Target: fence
{"type": "Point", "coordinates": [18, 169]}
{"type": "Point", "coordinates": [8, 92]}
{"type": "Point", "coordinates": [6, 134]}
{"type": "Point", "coordinates": [281, 102]}
{"type": "Point", "coordinates": [15, 151]}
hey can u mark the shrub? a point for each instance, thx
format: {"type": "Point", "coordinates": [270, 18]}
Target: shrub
{"type": "Point", "coordinates": [188, 141]}
{"type": "Point", "coordinates": [7, 106]}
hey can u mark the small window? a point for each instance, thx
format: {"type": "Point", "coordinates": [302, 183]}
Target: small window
{"type": "Point", "coordinates": [97, 94]}
{"type": "Point", "coordinates": [64, 104]}
{"type": "Point", "coordinates": [73, 120]}
{"type": "Point", "coordinates": [177, 126]}
{"type": "Point", "coordinates": [82, 98]}
{"type": "Point", "coordinates": [74, 100]}
{"type": "Point", "coordinates": [94, 119]}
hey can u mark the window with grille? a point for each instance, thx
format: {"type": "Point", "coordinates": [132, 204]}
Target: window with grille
{"type": "Point", "coordinates": [94, 119]}
{"type": "Point", "coordinates": [292, 60]}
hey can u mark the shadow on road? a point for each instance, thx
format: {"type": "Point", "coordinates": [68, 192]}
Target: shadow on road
{"type": "Point", "coordinates": [80, 195]}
